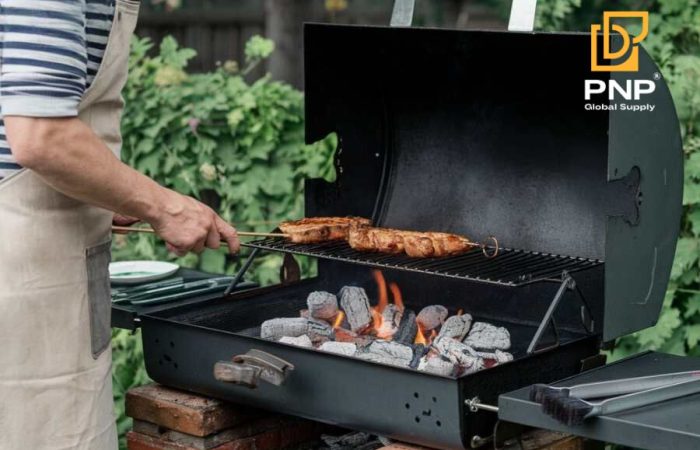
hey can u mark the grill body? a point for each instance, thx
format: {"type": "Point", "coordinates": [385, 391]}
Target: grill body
{"type": "Point", "coordinates": [476, 133]}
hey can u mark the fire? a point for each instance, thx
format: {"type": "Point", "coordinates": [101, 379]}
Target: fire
{"type": "Point", "coordinates": [338, 320]}
{"type": "Point", "coordinates": [420, 337]}
{"type": "Point", "coordinates": [381, 287]}
{"type": "Point", "coordinates": [396, 295]}
{"type": "Point", "coordinates": [377, 318]}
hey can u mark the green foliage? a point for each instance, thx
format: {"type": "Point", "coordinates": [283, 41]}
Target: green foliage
{"type": "Point", "coordinates": [128, 370]}
{"type": "Point", "coordinates": [235, 145]}
{"type": "Point", "coordinates": [674, 42]}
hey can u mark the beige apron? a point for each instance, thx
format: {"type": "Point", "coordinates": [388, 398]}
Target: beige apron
{"type": "Point", "coordinates": [55, 358]}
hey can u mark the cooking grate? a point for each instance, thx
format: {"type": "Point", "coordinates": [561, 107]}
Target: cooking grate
{"type": "Point", "coordinates": [510, 268]}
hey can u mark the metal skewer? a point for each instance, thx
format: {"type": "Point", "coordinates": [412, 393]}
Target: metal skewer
{"type": "Point", "coordinates": [120, 229]}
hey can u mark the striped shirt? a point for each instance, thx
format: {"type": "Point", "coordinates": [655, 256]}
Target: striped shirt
{"type": "Point", "coordinates": [50, 51]}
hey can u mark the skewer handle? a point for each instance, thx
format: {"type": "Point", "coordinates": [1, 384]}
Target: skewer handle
{"type": "Point", "coordinates": [120, 229]}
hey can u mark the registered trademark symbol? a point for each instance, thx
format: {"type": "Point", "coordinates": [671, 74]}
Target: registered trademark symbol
{"type": "Point", "coordinates": [657, 76]}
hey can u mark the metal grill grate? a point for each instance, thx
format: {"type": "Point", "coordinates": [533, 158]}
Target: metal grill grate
{"type": "Point", "coordinates": [510, 268]}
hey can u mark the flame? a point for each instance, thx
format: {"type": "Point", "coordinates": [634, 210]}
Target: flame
{"type": "Point", "coordinates": [422, 339]}
{"type": "Point", "coordinates": [396, 296]}
{"type": "Point", "coordinates": [377, 318]}
{"type": "Point", "coordinates": [338, 320]}
{"type": "Point", "coordinates": [381, 287]}
{"type": "Point", "coordinates": [420, 336]}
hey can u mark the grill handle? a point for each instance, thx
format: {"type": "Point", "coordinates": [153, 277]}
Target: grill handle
{"type": "Point", "coordinates": [522, 14]}
{"type": "Point", "coordinates": [248, 369]}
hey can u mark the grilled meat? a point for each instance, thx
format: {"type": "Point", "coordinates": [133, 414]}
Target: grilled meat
{"type": "Point", "coordinates": [433, 244]}
{"type": "Point", "coordinates": [414, 243]}
{"type": "Point", "coordinates": [370, 239]}
{"type": "Point", "coordinates": [320, 229]}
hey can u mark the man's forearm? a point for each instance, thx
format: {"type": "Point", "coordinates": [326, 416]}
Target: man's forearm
{"type": "Point", "coordinates": [68, 155]}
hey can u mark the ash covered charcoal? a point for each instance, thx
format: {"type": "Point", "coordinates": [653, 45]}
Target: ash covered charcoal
{"type": "Point", "coordinates": [275, 329]}
{"type": "Point", "coordinates": [408, 328]}
{"type": "Point", "coordinates": [322, 305]}
{"type": "Point", "coordinates": [300, 341]}
{"type": "Point", "coordinates": [340, 348]}
{"type": "Point", "coordinates": [431, 317]}
{"type": "Point", "coordinates": [388, 352]}
{"type": "Point", "coordinates": [455, 351]}
{"type": "Point", "coordinates": [456, 327]}
{"type": "Point", "coordinates": [437, 365]}
{"type": "Point", "coordinates": [495, 358]}
{"type": "Point", "coordinates": [317, 328]}
{"type": "Point", "coordinates": [484, 336]}
{"type": "Point", "coordinates": [391, 316]}
{"type": "Point", "coordinates": [419, 351]}
{"type": "Point", "coordinates": [355, 303]}
{"type": "Point", "coordinates": [304, 313]}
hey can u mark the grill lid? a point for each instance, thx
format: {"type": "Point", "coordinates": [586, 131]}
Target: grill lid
{"type": "Point", "coordinates": [485, 133]}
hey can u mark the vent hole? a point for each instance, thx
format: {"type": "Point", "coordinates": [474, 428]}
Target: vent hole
{"type": "Point", "coordinates": [157, 341]}
{"type": "Point", "coordinates": [438, 423]}
{"type": "Point", "coordinates": [175, 365]}
{"type": "Point", "coordinates": [434, 399]}
{"type": "Point", "coordinates": [172, 344]}
{"type": "Point", "coordinates": [415, 394]}
{"type": "Point", "coordinates": [417, 419]}
{"type": "Point", "coordinates": [408, 406]}
{"type": "Point", "coordinates": [160, 362]}
{"type": "Point", "coordinates": [167, 358]}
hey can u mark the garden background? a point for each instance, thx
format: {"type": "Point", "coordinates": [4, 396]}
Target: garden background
{"type": "Point", "coordinates": [230, 132]}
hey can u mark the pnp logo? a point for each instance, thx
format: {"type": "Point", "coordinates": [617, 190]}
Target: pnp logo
{"type": "Point", "coordinates": [630, 45]}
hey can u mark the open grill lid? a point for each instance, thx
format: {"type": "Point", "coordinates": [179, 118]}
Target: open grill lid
{"type": "Point", "coordinates": [485, 133]}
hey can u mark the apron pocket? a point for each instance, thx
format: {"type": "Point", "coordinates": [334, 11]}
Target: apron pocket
{"type": "Point", "coordinates": [97, 259]}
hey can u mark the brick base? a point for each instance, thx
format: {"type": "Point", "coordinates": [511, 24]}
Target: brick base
{"type": "Point", "coordinates": [167, 419]}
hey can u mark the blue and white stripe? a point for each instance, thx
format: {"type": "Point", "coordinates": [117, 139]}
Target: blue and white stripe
{"type": "Point", "coordinates": [50, 51]}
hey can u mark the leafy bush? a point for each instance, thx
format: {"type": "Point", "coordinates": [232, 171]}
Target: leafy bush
{"type": "Point", "coordinates": [674, 42]}
{"type": "Point", "coordinates": [237, 146]}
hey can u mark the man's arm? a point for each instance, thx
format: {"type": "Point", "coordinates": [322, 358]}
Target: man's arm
{"type": "Point", "coordinates": [68, 155]}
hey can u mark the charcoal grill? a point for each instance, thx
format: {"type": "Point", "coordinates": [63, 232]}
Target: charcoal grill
{"type": "Point", "coordinates": [479, 133]}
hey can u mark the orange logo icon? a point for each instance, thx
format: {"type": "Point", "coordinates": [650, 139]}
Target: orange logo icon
{"type": "Point", "coordinates": [630, 44]}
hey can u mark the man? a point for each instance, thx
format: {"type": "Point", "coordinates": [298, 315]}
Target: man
{"type": "Point", "coordinates": [62, 69]}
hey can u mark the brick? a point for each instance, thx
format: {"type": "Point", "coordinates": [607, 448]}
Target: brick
{"type": "Point", "coordinates": [185, 412]}
{"type": "Point", "coordinates": [138, 441]}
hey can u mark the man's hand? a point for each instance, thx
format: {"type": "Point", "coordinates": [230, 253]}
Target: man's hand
{"type": "Point", "coordinates": [188, 225]}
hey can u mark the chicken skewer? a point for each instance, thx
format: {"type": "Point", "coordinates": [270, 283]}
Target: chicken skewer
{"type": "Point", "coordinates": [363, 237]}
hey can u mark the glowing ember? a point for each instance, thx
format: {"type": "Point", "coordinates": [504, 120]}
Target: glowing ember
{"type": "Point", "coordinates": [396, 295]}
{"type": "Point", "coordinates": [381, 287]}
{"type": "Point", "coordinates": [338, 320]}
{"type": "Point", "coordinates": [460, 311]}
